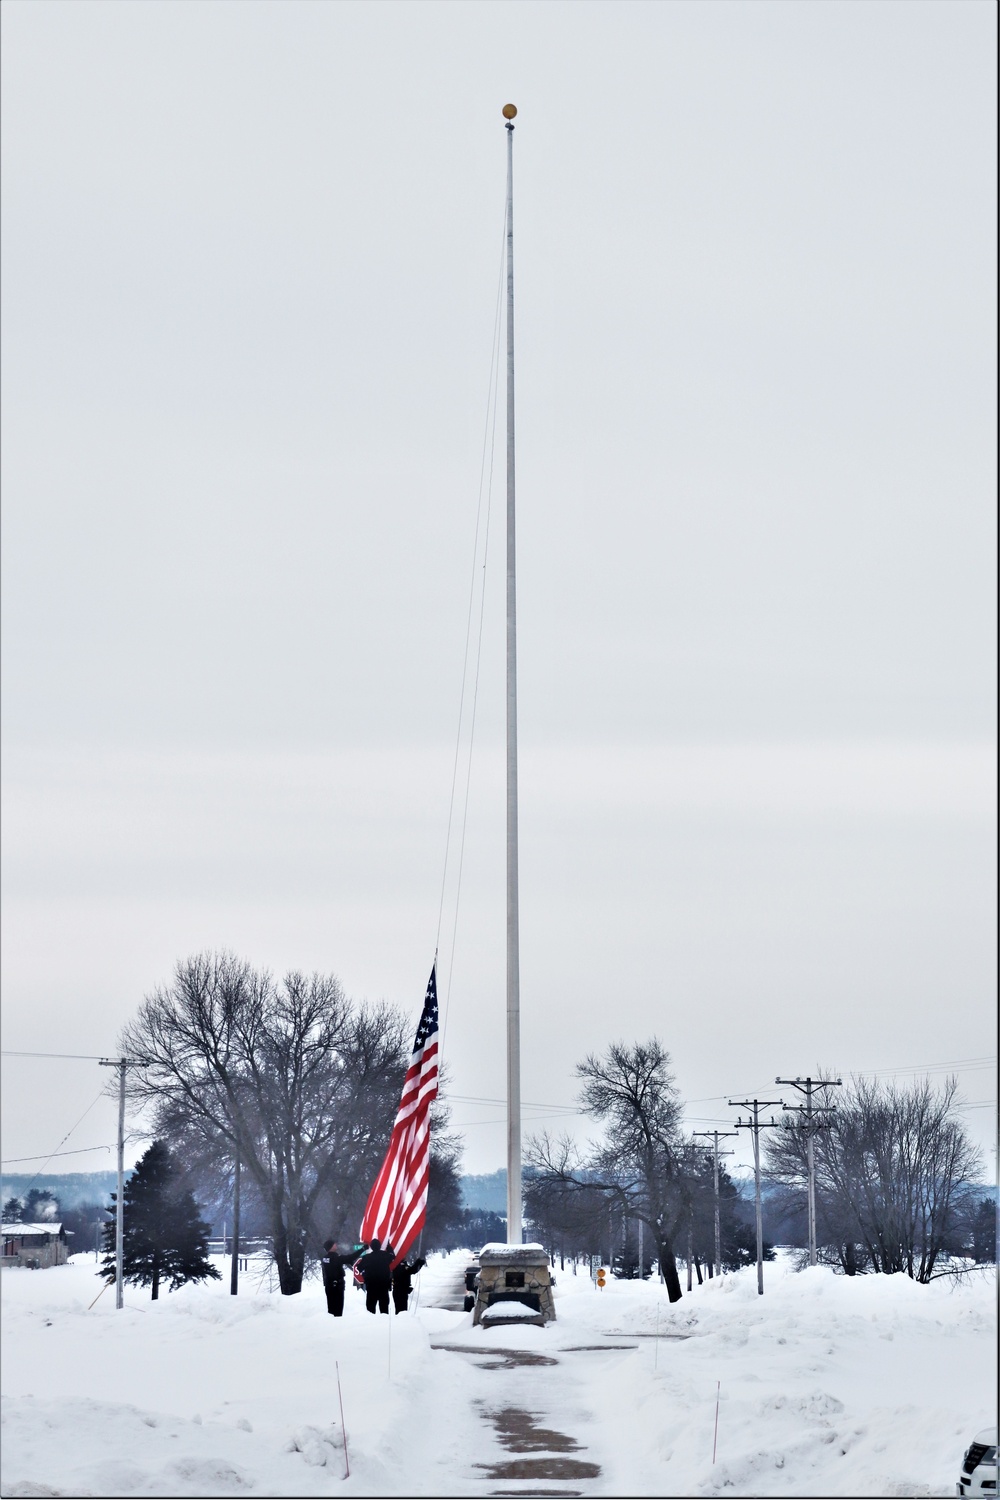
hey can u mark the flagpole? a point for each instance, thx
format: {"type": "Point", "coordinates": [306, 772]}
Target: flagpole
{"type": "Point", "coordinates": [514, 1234]}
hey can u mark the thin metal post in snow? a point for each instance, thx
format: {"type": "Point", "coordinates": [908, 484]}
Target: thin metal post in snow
{"type": "Point", "coordinates": [808, 1087]}
{"type": "Point", "coordinates": [715, 1438]}
{"type": "Point", "coordinates": [514, 1234]}
{"type": "Point", "coordinates": [234, 1274]}
{"type": "Point", "coordinates": [343, 1424]}
{"type": "Point", "coordinates": [755, 1127]}
{"type": "Point", "coordinates": [717, 1135]}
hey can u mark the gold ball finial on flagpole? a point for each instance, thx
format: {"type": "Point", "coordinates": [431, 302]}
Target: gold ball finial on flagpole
{"type": "Point", "coordinates": [509, 111]}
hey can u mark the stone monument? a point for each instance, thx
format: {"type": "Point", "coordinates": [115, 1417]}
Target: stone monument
{"type": "Point", "coordinates": [517, 1275]}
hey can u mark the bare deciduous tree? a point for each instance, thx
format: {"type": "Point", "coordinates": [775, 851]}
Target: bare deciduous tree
{"type": "Point", "coordinates": [291, 1077]}
{"type": "Point", "coordinates": [642, 1164]}
{"type": "Point", "coordinates": [891, 1176]}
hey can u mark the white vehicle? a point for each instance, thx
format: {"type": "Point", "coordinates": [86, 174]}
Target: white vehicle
{"type": "Point", "coordinates": [979, 1466]}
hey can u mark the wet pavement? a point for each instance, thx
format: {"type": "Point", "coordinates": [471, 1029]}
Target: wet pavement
{"type": "Point", "coordinates": [520, 1446]}
{"type": "Point", "coordinates": [536, 1451]}
{"type": "Point", "coordinates": [498, 1358]}
{"type": "Point", "coordinates": [518, 1431]}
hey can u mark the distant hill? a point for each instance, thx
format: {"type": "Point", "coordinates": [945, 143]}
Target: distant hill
{"type": "Point", "coordinates": [71, 1188]}
{"type": "Point", "coordinates": [487, 1191]}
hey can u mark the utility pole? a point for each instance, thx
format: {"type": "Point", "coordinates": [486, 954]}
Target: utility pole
{"type": "Point", "coordinates": [234, 1275]}
{"type": "Point", "coordinates": [121, 1064]}
{"type": "Point", "coordinates": [810, 1124]}
{"type": "Point", "coordinates": [717, 1136]}
{"type": "Point", "coordinates": [755, 1127]}
{"type": "Point", "coordinates": [514, 1234]}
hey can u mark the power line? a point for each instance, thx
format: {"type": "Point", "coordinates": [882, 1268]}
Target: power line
{"type": "Point", "coordinates": [500, 1120]}
{"type": "Point", "coordinates": [972, 1063]}
{"type": "Point", "coordinates": [10, 1161]}
{"type": "Point", "coordinates": [65, 1138]}
{"type": "Point", "coordinates": [571, 1109]}
{"type": "Point", "coordinates": [78, 1056]}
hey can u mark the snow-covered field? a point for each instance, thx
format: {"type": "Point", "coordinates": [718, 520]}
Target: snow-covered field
{"type": "Point", "coordinates": [829, 1386]}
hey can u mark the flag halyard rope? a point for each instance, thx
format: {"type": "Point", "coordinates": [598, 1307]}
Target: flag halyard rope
{"type": "Point", "coordinates": [486, 469]}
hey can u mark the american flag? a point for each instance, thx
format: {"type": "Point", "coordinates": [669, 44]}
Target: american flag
{"type": "Point", "coordinates": [397, 1204]}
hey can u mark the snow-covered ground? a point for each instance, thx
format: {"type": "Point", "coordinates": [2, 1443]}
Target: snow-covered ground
{"type": "Point", "coordinates": [827, 1386]}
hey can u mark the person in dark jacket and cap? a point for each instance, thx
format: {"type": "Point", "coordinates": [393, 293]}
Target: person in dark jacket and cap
{"type": "Point", "coordinates": [402, 1281]}
{"type": "Point", "coordinates": [375, 1268]}
{"type": "Point", "coordinates": [332, 1264]}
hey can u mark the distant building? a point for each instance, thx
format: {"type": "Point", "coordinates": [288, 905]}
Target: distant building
{"type": "Point", "coordinates": [35, 1245]}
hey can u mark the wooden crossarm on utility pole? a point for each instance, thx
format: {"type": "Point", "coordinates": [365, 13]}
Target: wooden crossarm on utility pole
{"type": "Point", "coordinates": [755, 1126]}
{"type": "Point", "coordinates": [810, 1124]}
{"type": "Point", "coordinates": [717, 1136]}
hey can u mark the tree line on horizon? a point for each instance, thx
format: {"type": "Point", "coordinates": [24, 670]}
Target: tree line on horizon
{"type": "Point", "coordinates": [299, 1085]}
{"type": "Point", "coordinates": [897, 1178]}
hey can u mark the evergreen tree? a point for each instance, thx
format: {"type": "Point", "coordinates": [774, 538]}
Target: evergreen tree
{"type": "Point", "coordinates": [40, 1207]}
{"type": "Point", "coordinates": [739, 1246]}
{"type": "Point", "coordinates": [984, 1232]}
{"type": "Point", "coordinates": [13, 1210]}
{"type": "Point", "coordinates": [164, 1235]}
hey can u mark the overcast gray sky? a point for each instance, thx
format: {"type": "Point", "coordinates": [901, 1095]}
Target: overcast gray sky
{"type": "Point", "coordinates": [250, 263]}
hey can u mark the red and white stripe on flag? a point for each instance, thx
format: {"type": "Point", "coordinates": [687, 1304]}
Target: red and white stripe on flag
{"type": "Point", "coordinates": [397, 1204]}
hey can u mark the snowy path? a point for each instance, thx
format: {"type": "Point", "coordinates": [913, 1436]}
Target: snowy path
{"type": "Point", "coordinates": [516, 1440]}
{"type": "Point", "coordinates": [442, 1282]}
{"type": "Point", "coordinates": [869, 1386]}
{"type": "Point", "coordinates": [505, 1390]}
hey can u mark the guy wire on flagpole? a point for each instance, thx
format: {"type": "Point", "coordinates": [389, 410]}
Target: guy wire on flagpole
{"type": "Point", "coordinates": [478, 574]}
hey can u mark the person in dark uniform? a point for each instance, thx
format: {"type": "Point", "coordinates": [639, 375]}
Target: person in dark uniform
{"type": "Point", "coordinates": [375, 1267]}
{"type": "Point", "coordinates": [402, 1281]}
{"type": "Point", "coordinates": [333, 1265]}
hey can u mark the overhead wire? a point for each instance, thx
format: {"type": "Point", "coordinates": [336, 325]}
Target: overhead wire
{"type": "Point", "coordinates": [78, 1056]}
{"type": "Point", "coordinates": [10, 1161]}
{"type": "Point", "coordinates": [56, 1151]}
{"type": "Point", "coordinates": [557, 1111]}
{"type": "Point", "coordinates": [970, 1064]}
{"type": "Point", "coordinates": [531, 1103]}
